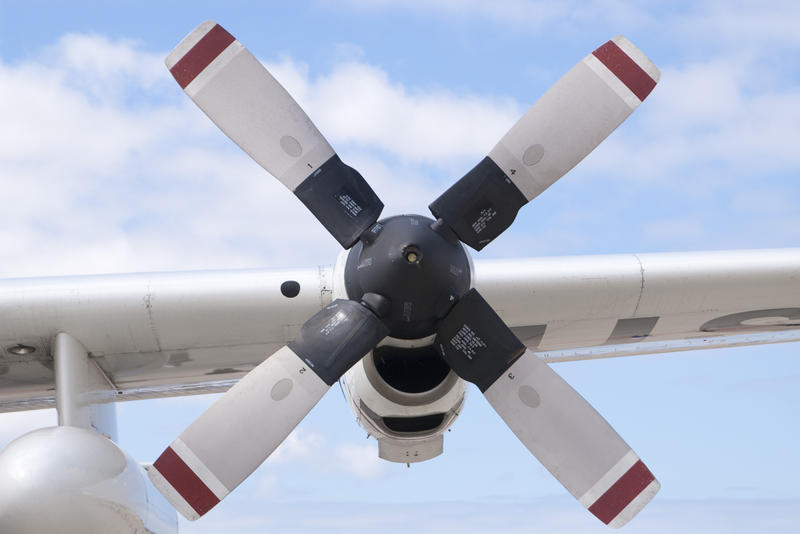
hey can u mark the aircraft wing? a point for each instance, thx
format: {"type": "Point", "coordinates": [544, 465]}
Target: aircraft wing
{"type": "Point", "coordinates": [585, 307]}
{"type": "Point", "coordinates": [172, 334]}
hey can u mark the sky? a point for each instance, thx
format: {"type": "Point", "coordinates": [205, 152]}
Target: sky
{"type": "Point", "coordinates": [106, 166]}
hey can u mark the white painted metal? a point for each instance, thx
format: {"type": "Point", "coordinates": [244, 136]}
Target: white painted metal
{"type": "Point", "coordinates": [360, 389]}
{"type": "Point", "coordinates": [72, 367]}
{"type": "Point", "coordinates": [239, 431]}
{"type": "Point", "coordinates": [369, 402]}
{"type": "Point", "coordinates": [412, 450]}
{"type": "Point", "coordinates": [151, 331]}
{"type": "Point", "coordinates": [580, 298]}
{"type": "Point", "coordinates": [188, 43]}
{"type": "Point", "coordinates": [77, 379]}
{"type": "Point", "coordinates": [563, 431]}
{"type": "Point", "coordinates": [73, 481]}
{"type": "Point", "coordinates": [247, 103]}
{"type": "Point", "coordinates": [669, 345]}
{"type": "Point", "coordinates": [103, 418]}
{"type": "Point", "coordinates": [371, 399]}
{"type": "Point", "coordinates": [567, 123]}
{"type": "Point", "coordinates": [80, 385]}
{"type": "Point", "coordinates": [167, 334]}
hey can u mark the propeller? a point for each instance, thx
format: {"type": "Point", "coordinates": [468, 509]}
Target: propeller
{"type": "Point", "coordinates": [409, 277]}
{"type": "Point", "coordinates": [563, 431]}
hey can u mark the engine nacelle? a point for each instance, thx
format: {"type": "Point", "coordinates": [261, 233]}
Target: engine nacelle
{"type": "Point", "coordinates": [73, 480]}
{"type": "Point", "coordinates": [406, 397]}
{"type": "Point", "coordinates": [402, 393]}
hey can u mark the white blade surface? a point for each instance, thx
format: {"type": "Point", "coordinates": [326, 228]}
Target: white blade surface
{"type": "Point", "coordinates": [575, 115]}
{"type": "Point", "coordinates": [572, 440]}
{"type": "Point", "coordinates": [237, 433]}
{"type": "Point", "coordinates": [247, 103]}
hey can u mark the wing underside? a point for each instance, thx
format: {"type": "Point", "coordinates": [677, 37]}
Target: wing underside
{"type": "Point", "coordinates": [175, 334]}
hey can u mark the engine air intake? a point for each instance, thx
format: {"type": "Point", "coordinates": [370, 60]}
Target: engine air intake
{"type": "Point", "coordinates": [410, 370]}
{"type": "Point", "coordinates": [414, 424]}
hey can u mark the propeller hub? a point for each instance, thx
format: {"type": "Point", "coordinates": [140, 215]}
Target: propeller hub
{"type": "Point", "coordinates": [417, 264]}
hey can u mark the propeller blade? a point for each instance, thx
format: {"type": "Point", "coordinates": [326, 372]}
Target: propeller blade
{"type": "Point", "coordinates": [239, 431]}
{"type": "Point", "coordinates": [556, 133]}
{"type": "Point", "coordinates": [244, 100]}
{"type": "Point", "coordinates": [567, 435]}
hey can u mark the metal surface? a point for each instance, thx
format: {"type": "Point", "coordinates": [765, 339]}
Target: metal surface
{"type": "Point", "coordinates": [580, 299]}
{"type": "Point", "coordinates": [150, 332]}
{"type": "Point", "coordinates": [80, 386]}
{"type": "Point", "coordinates": [73, 481]}
{"type": "Point", "coordinates": [371, 399]}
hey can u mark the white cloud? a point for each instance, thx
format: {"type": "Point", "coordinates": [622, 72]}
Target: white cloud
{"type": "Point", "coordinates": [362, 461]}
{"type": "Point", "coordinates": [106, 167]}
{"type": "Point", "coordinates": [105, 67]}
{"type": "Point", "coordinates": [726, 107]}
{"type": "Point", "coordinates": [313, 450]}
{"type": "Point", "coordinates": [359, 104]}
{"type": "Point", "coordinates": [709, 117]}
{"type": "Point", "coordinates": [109, 168]}
{"type": "Point", "coordinates": [300, 446]}
{"type": "Point", "coordinates": [720, 131]}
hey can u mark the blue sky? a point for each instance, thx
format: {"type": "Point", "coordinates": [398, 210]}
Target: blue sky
{"type": "Point", "coordinates": [105, 166]}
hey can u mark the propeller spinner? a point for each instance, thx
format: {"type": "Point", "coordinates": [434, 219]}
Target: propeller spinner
{"type": "Point", "coordinates": [408, 277]}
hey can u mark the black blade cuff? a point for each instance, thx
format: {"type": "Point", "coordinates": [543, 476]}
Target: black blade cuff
{"type": "Point", "coordinates": [476, 343]}
{"type": "Point", "coordinates": [336, 337]}
{"type": "Point", "coordinates": [481, 205]}
{"type": "Point", "coordinates": [341, 200]}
